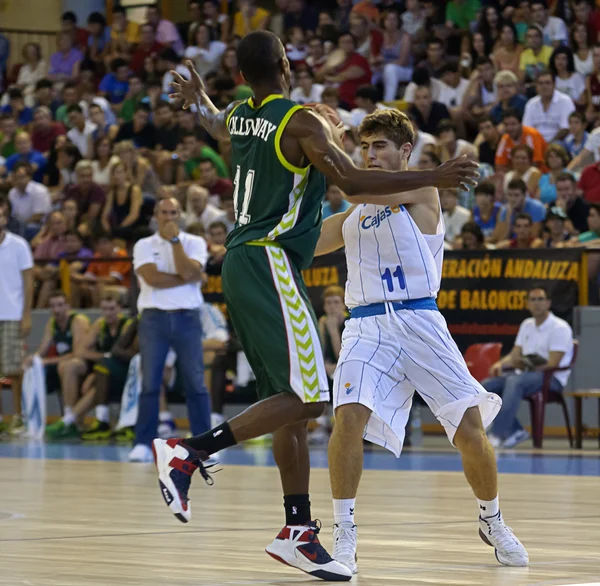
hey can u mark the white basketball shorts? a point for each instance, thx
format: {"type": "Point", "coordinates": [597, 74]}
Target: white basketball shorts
{"type": "Point", "coordinates": [385, 358]}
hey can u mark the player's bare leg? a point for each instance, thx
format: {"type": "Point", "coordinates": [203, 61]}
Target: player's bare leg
{"type": "Point", "coordinates": [479, 464]}
{"type": "Point", "coordinates": [345, 470]}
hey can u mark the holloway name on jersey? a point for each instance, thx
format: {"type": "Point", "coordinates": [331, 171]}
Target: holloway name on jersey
{"type": "Point", "coordinates": [258, 127]}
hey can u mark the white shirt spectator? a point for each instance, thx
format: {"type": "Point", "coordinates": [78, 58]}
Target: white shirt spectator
{"type": "Point", "coordinates": [553, 335]}
{"type": "Point", "coordinates": [206, 60]}
{"type": "Point", "coordinates": [452, 97]}
{"type": "Point", "coordinates": [572, 87]}
{"type": "Point", "coordinates": [168, 78]}
{"type": "Point", "coordinates": [15, 257]}
{"type": "Point", "coordinates": [210, 214]}
{"type": "Point", "coordinates": [592, 144]}
{"type": "Point", "coordinates": [435, 86]}
{"type": "Point", "coordinates": [454, 223]}
{"type": "Point", "coordinates": [555, 30]}
{"type": "Point", "coordinates": [359, 114]}
{"type": "Point", "coordinates": [109, 115]}
{"type": "Point", "coordinates": [158, 251]}
{"type": "Point", "coordinates": [35, 200]}
{"type": "Point", "coordinates": [422, 140]}
{"type": "Point", "coordinates": [300, 97]}
{"type": "Point", "coordinates": [549, 122]}
{"type": "Point", "coordinates": [81, 138]}
{"type": "Point", "coordinates": [102, 176]}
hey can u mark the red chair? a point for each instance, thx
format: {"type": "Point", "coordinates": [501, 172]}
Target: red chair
{"type": "Point", "coordinates": [481, 357]}
{"type": "Point", "coordinates": [538, 402]}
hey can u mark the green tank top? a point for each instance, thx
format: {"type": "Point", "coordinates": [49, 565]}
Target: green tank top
{"type": "Point", "coordinates": [63, 339]}
{"type": "Point", "coordinates": [274, 201]}
{"type": "Point", "coordinates": [106, 340]}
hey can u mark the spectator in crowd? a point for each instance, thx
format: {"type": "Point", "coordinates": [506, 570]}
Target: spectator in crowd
{"type": "Point", "coordinates": [70, 97]}
{"type": "Point", "coordinates": [204, 52]}
{"type": "Point", "coordinates": [64, 331]}
{"type": "Point", "coordinates": [571, 202]}
{"type": "Point", "coordinates": [307, 91]}
{"type": "Point", "coordinates": [69, 26]}
{"type": "Point", "coordinates": [582, 52]}
{"type": "Point", "coordinates": [491, 140]}
{"type": "Point", "coordinates": [589, 183]}
{"type": "Point", "coordinates": [523, 234]}
{"type": "Point", "coordinates": [471, 237]}
{"type": "Point", "coordinates": [199, 209]}
{"type": "Point", "coordinates": [549, 111]}
{"type": "Point", "coordinates": [435, 60]}
{"type": "Point", "coordinates": [486, 208]}
{"type": "Point", "coordinates": [554, 28]}
{"type": "Point", "coordinates": [427, 113]}
{"type": "Point", "coordinates": [25, 153]}
{"type": "Point", "coordinates": [556, 228]}
{"type": "Point", "coordinates": [536, 58]}
{"type": "Point", "coordinates": [99, 38]}
{"type": "Point", "coordinates": [523, 168]}
{"type": "Point", "coordinates": [556, 160]}
{"type": "Point", "coordinates": [75, 253]}
{"type": "Point", "coordinates": [16, 107]}
{"type": "Point", "coordinates": [140, 130]}
{"type": "Point", "coordinates": [219, 188]}
{"type": "Point", "coordinates": [575, 141]}
{"type": "Point", "coordinates": [567, 80]}
{"type": "Point", "coordinates": [45, 131]}
{"type": "Point", "coordinates": [331, 326]}
{"type": "Point", "coordinates": [517, 133]}
{"type": "Point", "coordinates": [121, 213]}
{"type": "Point", "coordinates": [33, 70]}
{"type": "Point", "coordinates": [89, 196]}
{"type": "Point", "coordinates": [29, 199]}
{"type": "Point", "coordinates": [16, 293]}
{"type": "Point", "coordinates": [217, 236]}
{"type": "Point", "coordinates": [8, 135]}
{"type": "Point", "coordinates": [196, 150]}
{"type": "Point", "coordinates": [44, 96]}
{"type": "Point", "coordinates": [455, 216]}
{"type": "Point", "coordinates": [135, 95]}
{"type": "Point", "coordinates": [124, 34]}
{"type": "Point", "coordinates": [450, 146]}
{"type": "Point", "coordinates": [60, 172]}
{"type": "Point", "coordinates": [103, 128]}
{"type": "Point", "coordinates": [509, 99]}
{"type": "Point", "coordinates": [592, 236]}
{"type": "Point", "coordinates": [396, 56]}
{"type": "Point", "coordinates": [480, 96]}
{"type": "Point", "coordinates": [114, 85]}
{"type": "Point", "coordinates": [334, 203]}
{"type": "Point", "coordinates": [148, 47]}
{"type": "Point", "coordinates": [166, 32]}
{"type": "Point", "coordinates": [453, 89]}
{"type": "Point", "coordinates": [65, 63]}
{"type": "Point", "coordinates": [592, 112]}
{"type": "Point", "coordinates": [249, 18]}
{"type": "Point", "coordinates": [517, 201]}
{"type": "Point", "coordinates": [81, 130]}
{"type": "Point", "coordinates": [585, 14]}
{"type": "Point", "coordinates": [420, 78]}
{"type": "Point", "coordinates": [544, 342]}
{"type": "Point", "coordinates": [110, 275]}
{"type": "Point", "coordinates": [139, 169]}
{"type": "Point", "coordinates": [507, 52]}
{"type": "Point", "coordinates": [422, 140]}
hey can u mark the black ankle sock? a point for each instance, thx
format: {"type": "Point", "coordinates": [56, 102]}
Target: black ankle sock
{"type": "Point", "coordinates": [212, 441]}
{"type": "Point", "coordinates": [297, 509]}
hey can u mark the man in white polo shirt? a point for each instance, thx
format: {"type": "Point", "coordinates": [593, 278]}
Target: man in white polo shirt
{"type": "Point", "coordinates": [169, 267]}
{"type": "Point", "coordinates": [549, 111]}
{"type": "Point", "coordinates": [544, 342]}
{"type": "Point", "coordinates": [16, 295]}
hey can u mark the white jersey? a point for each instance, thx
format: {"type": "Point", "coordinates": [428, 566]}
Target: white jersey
{"type": "Point", "coordinates": [388, 257]}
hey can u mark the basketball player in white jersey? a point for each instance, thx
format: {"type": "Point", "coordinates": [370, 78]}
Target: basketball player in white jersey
{"type": "Point", "coordinates": [397, 341]}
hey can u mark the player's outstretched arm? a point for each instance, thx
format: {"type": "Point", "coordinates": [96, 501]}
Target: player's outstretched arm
{"type": "Point", "coordinates": [331, 233]}
{"type": "Point", "coordinates": [192, 91]}
{"type": "Point", "coordinates": [369, 185]}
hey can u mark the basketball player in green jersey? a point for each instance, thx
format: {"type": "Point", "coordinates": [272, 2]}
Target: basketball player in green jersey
{"type": "Point", "coordinates": [282, 156]}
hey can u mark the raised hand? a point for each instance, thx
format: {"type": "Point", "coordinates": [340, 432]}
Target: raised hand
{"type": "Point", "coordinates": [461, 172]}
{"type": "Point", "coordinates": [188, 90]}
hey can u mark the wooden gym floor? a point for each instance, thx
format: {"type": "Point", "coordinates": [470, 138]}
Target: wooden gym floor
{"type": "Point", "coordinates": [91, 520]}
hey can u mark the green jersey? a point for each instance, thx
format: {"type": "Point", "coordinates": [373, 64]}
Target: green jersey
{"type": "Point", "coordinates": [106, 340]}
{"type": "Point", "coordinates": [63, 339]}
{"type": "Point", "coordinates": [274, 201]}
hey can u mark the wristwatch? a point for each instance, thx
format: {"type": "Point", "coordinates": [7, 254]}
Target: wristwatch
{"type": "Point", "coordinates": [175, 240]}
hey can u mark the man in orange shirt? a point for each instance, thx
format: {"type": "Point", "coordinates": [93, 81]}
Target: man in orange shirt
{"type": "Point", "coordinates": [516, 134]}
{"type": "Point", "coordinates": [102, 276]}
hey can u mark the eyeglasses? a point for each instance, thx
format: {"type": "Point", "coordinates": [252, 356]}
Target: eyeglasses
{"type": "Point", "coordinates": [537, 299]}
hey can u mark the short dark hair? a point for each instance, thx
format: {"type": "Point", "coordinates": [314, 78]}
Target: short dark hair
{"type": "Point", "coordinates": [101, 235]}
{"type": "Point", "coordinates": [23, 165]}
{"type": "Point", "coordinates": [511, 113]}
{"type": "Point", "coordinates": [542, 2]}
{"type": "Point", "coordinates": [595, 207]}
{"type": "Point", "coordinates": [579, 115]}
{"type": "Point", "coordinates": [434, 41]}
{"type": "Point", "coordinates": [445, 125]}
{"type": "Point", "coordinates": [117, 63]}
{"type": "Point", "coordinates": [187, 134]}
{"type": "Point", "coordinates": [564, 176]}
{"type": "Point", "coordinates": [94, 105]}
{"type": "Point", "coordinates": [539, 287]}
{"type": "Point", "coordinates": [393, 124]}
{"type": "Point", "coordinates": [44, 83]}
{"type": "Point", "coordinates": [169, 55]}
{"type": "Point", "coordinates": [484, 60]}
{"type": "Point", "coordinates": [259, 55]}
{"type": "Point", "coordinates": [368, 92]}
{"type": "Point", "coordinates": [449, 67]}
{"type": "Point", "coordinates": [486, 188]}
{"type": "Point", "coordinates": [15, 93]}
{"type": "Point", "coordinates": [69, 17]}
{"type": "Point", "coordinates": [75, 108]}
{"type": "Point", "coordinates": [421, 76]}
{"type": "Point", "coordinates": [57, 293]}
{"type": "Point", "coordinates": [70, 85]}
{"type": "Point", "coordinates": [524, 216]}
{"type": "Point", "coordinates": [97, 18]}
{"type": "Point", "coordinates": [204, 160]}
{"type": "Point", "coordinates": [474, 229]}
{"type": "Point", "coordinates": [74, 233]}
{"type": "Point", "coordinates": [543, 73]}
{"type": "Point", "coordinates": [118, 9]}
{"type": "Point", "coordinates": [164, 104]}
{"type": "Point", "coordinates": [218, 224]}
{"type": "Point", "coordinates": [143, 106]}
{"type": "Point", "coordinates": [517, 184]}
{"type": "Point", "coordinates": [485, 119]}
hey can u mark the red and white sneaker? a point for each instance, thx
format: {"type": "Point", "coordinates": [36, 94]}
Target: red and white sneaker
{"type": "Point", "coordinates": [176, 463]}
{"type": "Point", "coordinates": [299, 547]}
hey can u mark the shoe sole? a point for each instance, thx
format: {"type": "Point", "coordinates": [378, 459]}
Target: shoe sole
{"type": "Point", "coordinates": [167, 488]}
{"type": "Point", "coordinates": [488, 542]}
{"type": "Point", "coordinates": [321, 574]}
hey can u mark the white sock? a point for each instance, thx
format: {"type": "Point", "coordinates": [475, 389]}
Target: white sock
{"type": "Point", "coordinates": [343, 510]}
{"type": "Point", "coordinates": [165, 416]}
{"type": "Point", "coordinates": [488, 508]}
{"type": "Point", "coordinates": [69, 418]}
{"type": "Point", "coordinates": [103, 413]}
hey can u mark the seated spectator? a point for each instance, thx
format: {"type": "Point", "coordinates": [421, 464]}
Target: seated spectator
{"type": "Point", "coordinates": [69, 26]}
{"type": "Point", "coordinates": [507, 87]}
{"type": "Point", "coordinates": [30, 200]}
{"type": "Point", "coordinates": [75, 252]}
{"type": "Point", "coordinates": [140, 130]}
{"type": "Point", "coordinates": [455, 216]}
{"type": "Point", "coordinates": [422, 140]}
{"type": "Point", "coordinates": [331, 98]}
{"type": "Point", "coordinates": [166, 32]}
{"type": "Point", "coordinates": [33, 70]}
{"type": "Point", "coordinates": [396, 58]}
{"type": "Point", "coordinates": [230, 68]}
{"type": "Point", "coordinates": [198, 208]}
{"type": "Point", "coordinates": [8, 134]}
{"type": "Point", "coordinates": [139, 170]}
{"type": "Point", "coordinates": [592, 236]}
{"type": "Point", "coordinates": [70, 212]}
{"type": "Point", "coordinates": [486, 208]}
{"type": "Point", "coordinates": [60, 172]}
{"type": "Point", "coordinates": [331, 326]}
{"type": "Point", "coordinates": [368, 38]}
{"type": "Point", "coordinates": [536, 58]}
{"type": "Point", "coordinates": [453, 90]}
{"type": "Point", "coordinates": [421, 78]}
{"type": "Point", "coordinates": [135, 96]}
{"type": "Point", "coordinates": [148, 47]}
{"type": "Point", "coordinates": [16, 107]}
{"type": "Point", "coordinates": [248, 18]}
{"type": "Point", "coordinates": [44, 96]}
{"type": "Point", "coordinates": [554, 28]}
{"type": "Point", "coordinates": [480, 95]}
{"type": "Point", "coordinates": [204, 51]}
{"type": "Point", "coordinates": [295, 49]}
{"type": "Point", "coordinates": [366, 103]}
{"type": "Point", "coordinates": [435, 60]}
{"type": "Point", "coordinates": [99, 39]}
{"type": "Point", "coordinates": [103, 128]}
{"type": "Point", "coordinates": [413, 20]}
{"type": "Point", "coordinates": [334, 203]}
{"type": "Point", "coordinates": [429, 160]}
{"type": "Point", "coordinates": [89, 196]}
{"type": "Point", "coordinates": [517, 201]}
{"type": "Point", "coordinates": [168, 132]}
{"type": "Point", "coordinates": [194, 151]}
{"type": "Point", "coordinates": [571, 202]}
{"type": "Point", "coordinates": [102, 277]}
{"type": "Point", "coordinates": [428, 113]}
{"type": "Point", "coordinates": [217, 236]}
{"type": "Point", "coordinates": [307, 91]}
{"type": "Point", "coordinates": [491, 140]}
{"type": "Point", "coordinates": [589, 183]}
{"type": "Point", "coordinates": [557, 235]}
{"type": "Point", "coordinates": [577, 138]}
{"type": "Point", "coordinates": [517, 133]}
{"type": "Point", "coordinates": [582, 43]}
{"type": "Point", "coordinates": [114, 85]}
{"type": "Point", "coordinates": [507, 52]}
{"type": "Point", "coordinates": [450, 145]}
{"type": "Point", "coordinates": [556, 159]}
{"type": "Point", "coordinates": [547, 338]}
{"type": "Point", "coordinates": [471, 237]}
{"type": "Point", "coordinates": [523, 237]}
{"type": "Point", "coordinates": [44, 131]}
{"type": "Point", "coordinates": [523, 168]}
{"type": "Point", "coordinates": [121, 213]}
{"type": "Point", "coordinates": [25, 153]}
{"type": "Point", "coordinates": [219, 189]}
{"type": "Point", "coordinates": [12, 224]}
{"type": "Point", "coordinates": [65, 63]}
{"type": "Point", "coordinates": [317, 57]}
{"type": "Point", "coordinates": [217, 21]}
{"type": "Point", "coordinates": [549, 111]}
{"type": "Point", "coordinates": [124, 34]}
{"type": "Point", "coordinates": [81, 131]}
{"type": "Point", "coordinates": [70, 97]}
{"type": "Point", "coordinates": [568, 81]}
{"type": "Point", "coordinates": [168, 61]}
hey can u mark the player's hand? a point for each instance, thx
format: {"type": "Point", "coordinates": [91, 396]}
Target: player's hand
{"type": "Point", "coordinates": [188, 90]}
{"type": "Point", "coordinates": [461, 172]}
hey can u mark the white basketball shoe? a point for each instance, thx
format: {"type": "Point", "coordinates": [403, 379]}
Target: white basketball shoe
{"type": "Point", "coordinates": [509, 550]}
{"type": "Point", "coordinates": [344, 545]}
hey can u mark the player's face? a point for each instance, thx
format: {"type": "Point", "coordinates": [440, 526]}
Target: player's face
{"type": "Point", "coordinates": [59, 307]}
{"type": "Point", "coordinates": [110, 310]}
{"type": "Point", "coordinates": [379, 152]}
